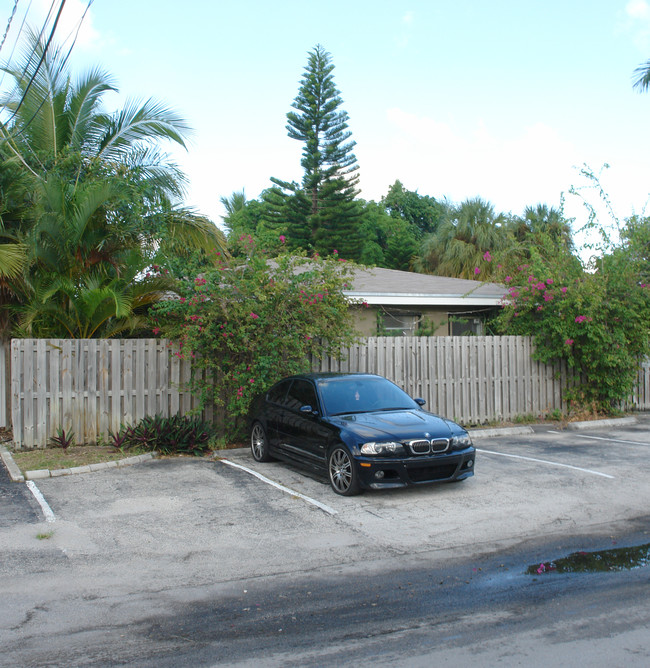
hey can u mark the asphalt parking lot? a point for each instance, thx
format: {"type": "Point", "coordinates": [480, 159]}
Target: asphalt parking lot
{"type": "Point", "coordinates": [258, 518]}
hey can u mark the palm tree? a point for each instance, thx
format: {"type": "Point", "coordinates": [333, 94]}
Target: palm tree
{"type": "Point", "coordinates": [96, 196]}
{"type": "Point", "coordinates": [641, 80]}
{"type": "Point", "coordinates": [458, 247]}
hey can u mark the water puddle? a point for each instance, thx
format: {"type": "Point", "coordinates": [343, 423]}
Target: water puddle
{"type": "Point", "coordinates": [615, 559]}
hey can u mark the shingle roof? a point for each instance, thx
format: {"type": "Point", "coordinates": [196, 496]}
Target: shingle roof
{"type": "Point", "coordinates": [377, 285]}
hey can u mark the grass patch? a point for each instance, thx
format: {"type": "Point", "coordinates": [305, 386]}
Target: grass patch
{"type": "Point", "coordinates": [57, 458]}
{"type": "Point", "coordinates": [45, 536]}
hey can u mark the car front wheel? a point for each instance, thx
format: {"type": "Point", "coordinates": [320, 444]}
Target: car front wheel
{"type": "Point", "coordinates": [259, 444]}
{"type": "Point", "coordinates": [343, 473]}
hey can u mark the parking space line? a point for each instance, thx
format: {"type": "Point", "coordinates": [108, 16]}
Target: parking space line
{"type": "Point", "coordinates": [47, 511]}
{"type": "Point", "coordinates": [282, 488]}
{"type": "Point", "coordinates": [544, 461]}
{"type": "Point", "coordinates": [602, 438]}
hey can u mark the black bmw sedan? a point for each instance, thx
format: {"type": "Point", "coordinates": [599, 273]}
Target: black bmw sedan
{"type": "Point", "coordinates": [360, 431]}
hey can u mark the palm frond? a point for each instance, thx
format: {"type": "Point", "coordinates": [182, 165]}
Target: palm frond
{"type": "Point", "coordinates": [136, 123]}
{"type": "Point", "coordinates": [13, 258]}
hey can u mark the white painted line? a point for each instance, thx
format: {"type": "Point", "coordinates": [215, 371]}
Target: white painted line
{"type": "Point", "coordinates": [282, 488]}
{"type": "Point", "coordinates": [47, 511]}
{"type": "Point", "coordinates": [544, 461]}
{"type": "Point", "coordinates": [602, 438]}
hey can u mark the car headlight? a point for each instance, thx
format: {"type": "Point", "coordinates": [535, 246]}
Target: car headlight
{"type": "Point", "coordinates": [382, 449]}
{"type": "Point", "coordinates": [460, 442]}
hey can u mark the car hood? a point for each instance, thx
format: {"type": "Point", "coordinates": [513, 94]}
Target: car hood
{"type": "Point", "coordinates": [394, 425]}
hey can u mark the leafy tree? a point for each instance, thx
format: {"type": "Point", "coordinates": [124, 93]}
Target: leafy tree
{"type": "Point", "coordinates": [422, 211]}
{"type": "Point", "coordinates": [321, 212]}
{"type": "Point", "coordinates": [387, 241]}
{"type": "Point", "coordinates": [88, 198]}
{"type": "Point", "coordinates": [251, 321]}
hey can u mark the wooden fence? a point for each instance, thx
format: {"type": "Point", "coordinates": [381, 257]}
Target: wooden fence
{"type": "Point", "coordinates": [5, 386]}
{"type": "Point", "coordinates": [91, 386]}
{"type": "Point", "coordinates": [472, 379]}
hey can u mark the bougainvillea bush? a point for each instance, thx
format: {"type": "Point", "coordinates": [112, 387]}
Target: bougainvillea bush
{"type": "Point", "coordinates": [251, 321]}
{"type": "Point", "coordinates": [598, 320]}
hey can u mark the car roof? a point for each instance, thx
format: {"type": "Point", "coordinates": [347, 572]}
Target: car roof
{"type": "Point", "coordinates": [325, 375]}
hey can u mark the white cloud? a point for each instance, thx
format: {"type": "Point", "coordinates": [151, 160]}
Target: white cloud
{"type": "Point", "coordinates": [636, 23]}
{"type": "Point", "coordinates": [536, 165]}
{"type": "Point", "coordinates": [404, 35]}
{"type": "Point", "coordinates": [638, 9]}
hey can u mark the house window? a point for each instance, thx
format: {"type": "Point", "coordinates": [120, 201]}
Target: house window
{"type": "Point", "coordinates": [465, 326]}
{"type": "Point", "coordinates": [397, 324]}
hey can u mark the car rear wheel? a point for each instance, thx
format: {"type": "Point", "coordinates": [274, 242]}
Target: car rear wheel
{"type": "Point", "coordinates": [259, 444]}
{"type": "Point", "coordinates": [343, 473]}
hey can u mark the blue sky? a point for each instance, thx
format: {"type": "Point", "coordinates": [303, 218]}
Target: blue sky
{"type": "Point", "coordinates": [456, 98]}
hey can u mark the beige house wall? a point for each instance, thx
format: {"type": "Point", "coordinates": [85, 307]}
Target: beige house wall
{"type": "Point", "coordinates": [366, 317]}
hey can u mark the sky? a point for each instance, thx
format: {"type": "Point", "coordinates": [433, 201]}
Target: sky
{"type": "Point", "coordinates": [505, 100]}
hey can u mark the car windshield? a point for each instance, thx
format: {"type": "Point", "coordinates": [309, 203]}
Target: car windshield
{"type": "Point", "coordinates": [362, 395]}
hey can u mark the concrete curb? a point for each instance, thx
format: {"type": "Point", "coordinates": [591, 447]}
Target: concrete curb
{"type": "Point", "coordinates": [14, 471]}
{"type": "Point", "coordinates": [17, 476]}
{"type": "Point", "coordinates": [594, 424]}
{"type": "Point", "coordinates": [499, 431]}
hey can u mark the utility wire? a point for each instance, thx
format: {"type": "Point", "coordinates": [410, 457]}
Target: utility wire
{"type": "Point", "coordinates": [65, 60]}
{"type": "Point", "coordinates": [40, 62]}
{"type": "Point", "coordinates": [13, 48]}
{"type": "Point", "coordinates": [4, 38]}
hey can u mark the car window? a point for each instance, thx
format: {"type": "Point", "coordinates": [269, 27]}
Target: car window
{"type": "Point", "coordinates": [302, 393]}
{"type": "Point", "coordinates": [278, 393]}
{"type": "Point", "coordinates": [359, 394]}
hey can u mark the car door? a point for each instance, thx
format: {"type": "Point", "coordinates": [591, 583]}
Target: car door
{"type": "Point", "coordinates": [274, 411]}
{"type": "Point", "coordinates": [302, 437]}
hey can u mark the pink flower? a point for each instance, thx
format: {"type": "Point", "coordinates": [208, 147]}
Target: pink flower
{"type": "Point", "coordinates": [581, 318]}
{"type": "Point", "coordinates": [254, 316]}
{"type": "Point", "coordinates": [282, 238]}
{"type": "Point", "coordinates": [156, 331]}
{"type": "Point", "coordinates": [508, 279]}
{"type": "Point", "coordinates": [549, 281]}
{"type": "Point", "coordinates": [563, 290]}
{"type": "Point", "coordinates": [477, 271]}
{"type": "Point", "coordinates": [487, 257]}
{"type": "Point", "coordinates": [199, 281]}
{"type": "Point", "coordinates": [568, 342]}
{"type": "Point", "coordinates": [548, 296]}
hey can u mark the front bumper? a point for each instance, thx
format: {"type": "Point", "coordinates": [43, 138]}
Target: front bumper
{"type": "Point", "coordinates": [385, 472]}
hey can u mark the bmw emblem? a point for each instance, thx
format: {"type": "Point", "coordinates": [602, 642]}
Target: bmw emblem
{"type": "Point", "coordinates": [427, 435]}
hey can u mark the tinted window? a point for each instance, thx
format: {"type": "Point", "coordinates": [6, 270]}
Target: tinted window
{"type": "Point", "coordinates": [278, 393]}
{"type": "Point", "coordinates": [361, 394]}
{"type": "Point", "coordinates": [302, 393]}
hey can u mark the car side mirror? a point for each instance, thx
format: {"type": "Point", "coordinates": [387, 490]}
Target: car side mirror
{"type": "Point", "coordinates": [419, 401]}
{"type": "Point", "coordinates": [308, 410]}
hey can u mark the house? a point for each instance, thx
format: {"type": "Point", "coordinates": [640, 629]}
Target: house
{"type": "Point", "coordinates": [403, 303]}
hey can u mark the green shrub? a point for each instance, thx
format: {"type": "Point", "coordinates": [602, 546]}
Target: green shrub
{"type": "Point", "coordinates": [178, 434]}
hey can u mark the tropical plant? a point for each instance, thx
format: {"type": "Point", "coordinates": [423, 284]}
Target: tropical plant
{"type": "Point", "coordinates": [177, 434]}
{"type": "Point", "coordinates": [468, 234]}
{"type": "Point", "coordinates": [87, 197]}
